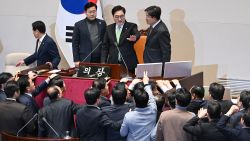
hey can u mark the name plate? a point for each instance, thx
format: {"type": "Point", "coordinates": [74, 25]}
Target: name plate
{"type": "Point", "coordinates": [93, 71]}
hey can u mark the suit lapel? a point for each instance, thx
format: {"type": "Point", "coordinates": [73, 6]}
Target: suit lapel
{"type": "Point", "coordinates": [123, 33]}
{"type": "Point", "coordinates": [86, 27]}
{"type": "Point", "coordinates": [153, 32]}
{"type": "Point", "coordinates": [113, 32]}
{"type": "Point", "coordinates": [99, 25]}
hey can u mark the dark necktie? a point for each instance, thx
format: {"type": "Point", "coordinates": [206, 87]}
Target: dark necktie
{"type": "Point", "coordinates": [150, 30]}
{"type": "Point", "coordinates": [37, 44]}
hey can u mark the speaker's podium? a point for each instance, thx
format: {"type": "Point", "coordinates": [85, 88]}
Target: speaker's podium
{"type": "Point", "coordinates": [95, 70]}
{"type": "Point", "coordinates": [9, 137]}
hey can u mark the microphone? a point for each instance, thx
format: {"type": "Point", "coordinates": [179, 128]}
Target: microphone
{"type": "Point", "coordinates": [92, 51]}
{"type": "Point", "coordinates": [45, 120]}
{"type": "Point", "coordinates": [127, 74]}
{"type": "Point", "coordinates": [17, 134]}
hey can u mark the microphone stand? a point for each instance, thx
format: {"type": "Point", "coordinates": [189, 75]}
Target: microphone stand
{"type": "Point", "coordinates": [92, 51]}
{"type": "Point", "coordinates": [17, 134]}
{"type": "Point", "coordinates": [44, 119]}
{"type": "Point", "coordinates": [127, 73]}
{"type": "Point", "coordinates": [89, 54]}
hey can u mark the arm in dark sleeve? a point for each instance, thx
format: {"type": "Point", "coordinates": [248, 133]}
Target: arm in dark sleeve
{"type": "Point", "coordinates": [76, 43]}
{"type": "Point", "coordinates": [105, 48]}
{"type": "Point", "coordinates": [106, 122]}
{"type": "Point", "coordinates": [54, 53]}
{"type": "Point", "coordinates": [39, 88]}
{"type": "Point", "coordinates": [192, 127]}
{"type": "Point", "coordinates": [164, 41]}
{"type": "Point", "coordinates": [136, 32]}
{"type": "Point", "coordinates": [227, 131]}
{"type": "Point", "coordinates": [30, 59]}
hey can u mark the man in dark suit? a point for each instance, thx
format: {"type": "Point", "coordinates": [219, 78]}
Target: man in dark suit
{"type": "Point", "coordinates": [28, 91]}
{"type": "Point", "coordinates": [235, 134]}
{"type": "Point", "coordinates": [46, 49]}
{"type": "Point", "coordinates": [216, 91]}
{"type": "Point", "coordinates": [59, 114]}
{"type": "Point", "coordinates": [117, 111]}
{"type": "Point", "coordinates": [157, 47]}
{"type": "Point", "coordinates": [92, 129]}
{"type": "Point", "coordinates": [87, 37]}
{"type": "Point", "coordinates": [122, 35]}
{"type": "Point", "coordinates": [14, 115]}
{"type": "Point", "coordinates": [206, 131]}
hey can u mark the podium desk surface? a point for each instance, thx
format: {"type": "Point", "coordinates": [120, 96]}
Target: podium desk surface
{"type": "Point", "coordinates": [75, 88]}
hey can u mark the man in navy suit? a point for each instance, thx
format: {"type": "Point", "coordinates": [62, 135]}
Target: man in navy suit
{"type": "Point", "coordinates": [117, 111]}
{"type": "Point", "coordinates": [157, 47]}
{"type": "Point", "coordinates": [241, 134]}
{"type": "Point", "coordinates": [122, 35]}
{"type": "Point", "coordinates": [46, 49]}
{"type": "Point", "coordinates": [87, 36]}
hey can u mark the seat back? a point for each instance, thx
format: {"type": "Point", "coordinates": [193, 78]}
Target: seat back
{"type": "Point", "coordinates": [12, 59]}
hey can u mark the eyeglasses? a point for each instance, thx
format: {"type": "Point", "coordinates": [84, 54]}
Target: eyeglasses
{"type": "Point", "coordinates": [119, 16]}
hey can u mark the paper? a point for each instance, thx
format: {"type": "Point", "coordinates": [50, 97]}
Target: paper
{"type": "Point", "coordinates": [54, 71]}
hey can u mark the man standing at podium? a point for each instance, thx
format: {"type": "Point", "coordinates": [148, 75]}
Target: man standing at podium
{"type": "Point", "coordinates": [157, 47]}
{"type": "Point", "coordinates": [46, 49]}
{"type": "Point", "coordinates": [119, 41]}
{"type": "Point", "coordinates": [87, 37]}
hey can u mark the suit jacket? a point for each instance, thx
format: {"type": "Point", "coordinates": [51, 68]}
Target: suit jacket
{"type": "Point", "coordinates": [170, 125]}
{"type": "Point", "coordinates": [235, 119]}
{"type": "Point", "coordinates": [81, 42]}
{"type": "Point", "coordinates": [92, 129]}
{"type": "Point", "coordinates": [47, 52]}
{"type": "Point", "coordinates": [225, 105]}
{"type": "Point", "coordinates": [59, 114]}
{"type": "Point", "coordinates": [158, 47]}
{"type": "Point", "coordinates": [195, 105]}
{"type": "Point", "coordinates": [109, 50]}
{"type": "Point", "coordinates": [242, 134]}
{"type": "Point", "coordinates": [30, 101]}
{"type": "Point", "coordinates": [104, 101]}
{"type": "Point", "coordinates": [13, 116]}
{"type": "Point", "coordinates": [204, 131]}
{"type": "Point", "coordinates": [115, 113]}
{"type": "Point", "coordinates": [2, 96]}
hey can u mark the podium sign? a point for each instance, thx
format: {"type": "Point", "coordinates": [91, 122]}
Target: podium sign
{"type": "Point", "coordinates": [88, 71]}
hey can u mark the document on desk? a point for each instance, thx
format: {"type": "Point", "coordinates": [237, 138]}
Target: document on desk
{"type": "Point", "coordinates": [54, 71]}
{"type": "Point", "coordinates": [153, 69]}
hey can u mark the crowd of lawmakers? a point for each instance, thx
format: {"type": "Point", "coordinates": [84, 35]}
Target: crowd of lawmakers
{"type": "Point", "coordinates": [141, 110]}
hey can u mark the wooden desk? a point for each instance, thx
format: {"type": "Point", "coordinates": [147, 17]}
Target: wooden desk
{"type": "Point", "coordinates": [9, 137]}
